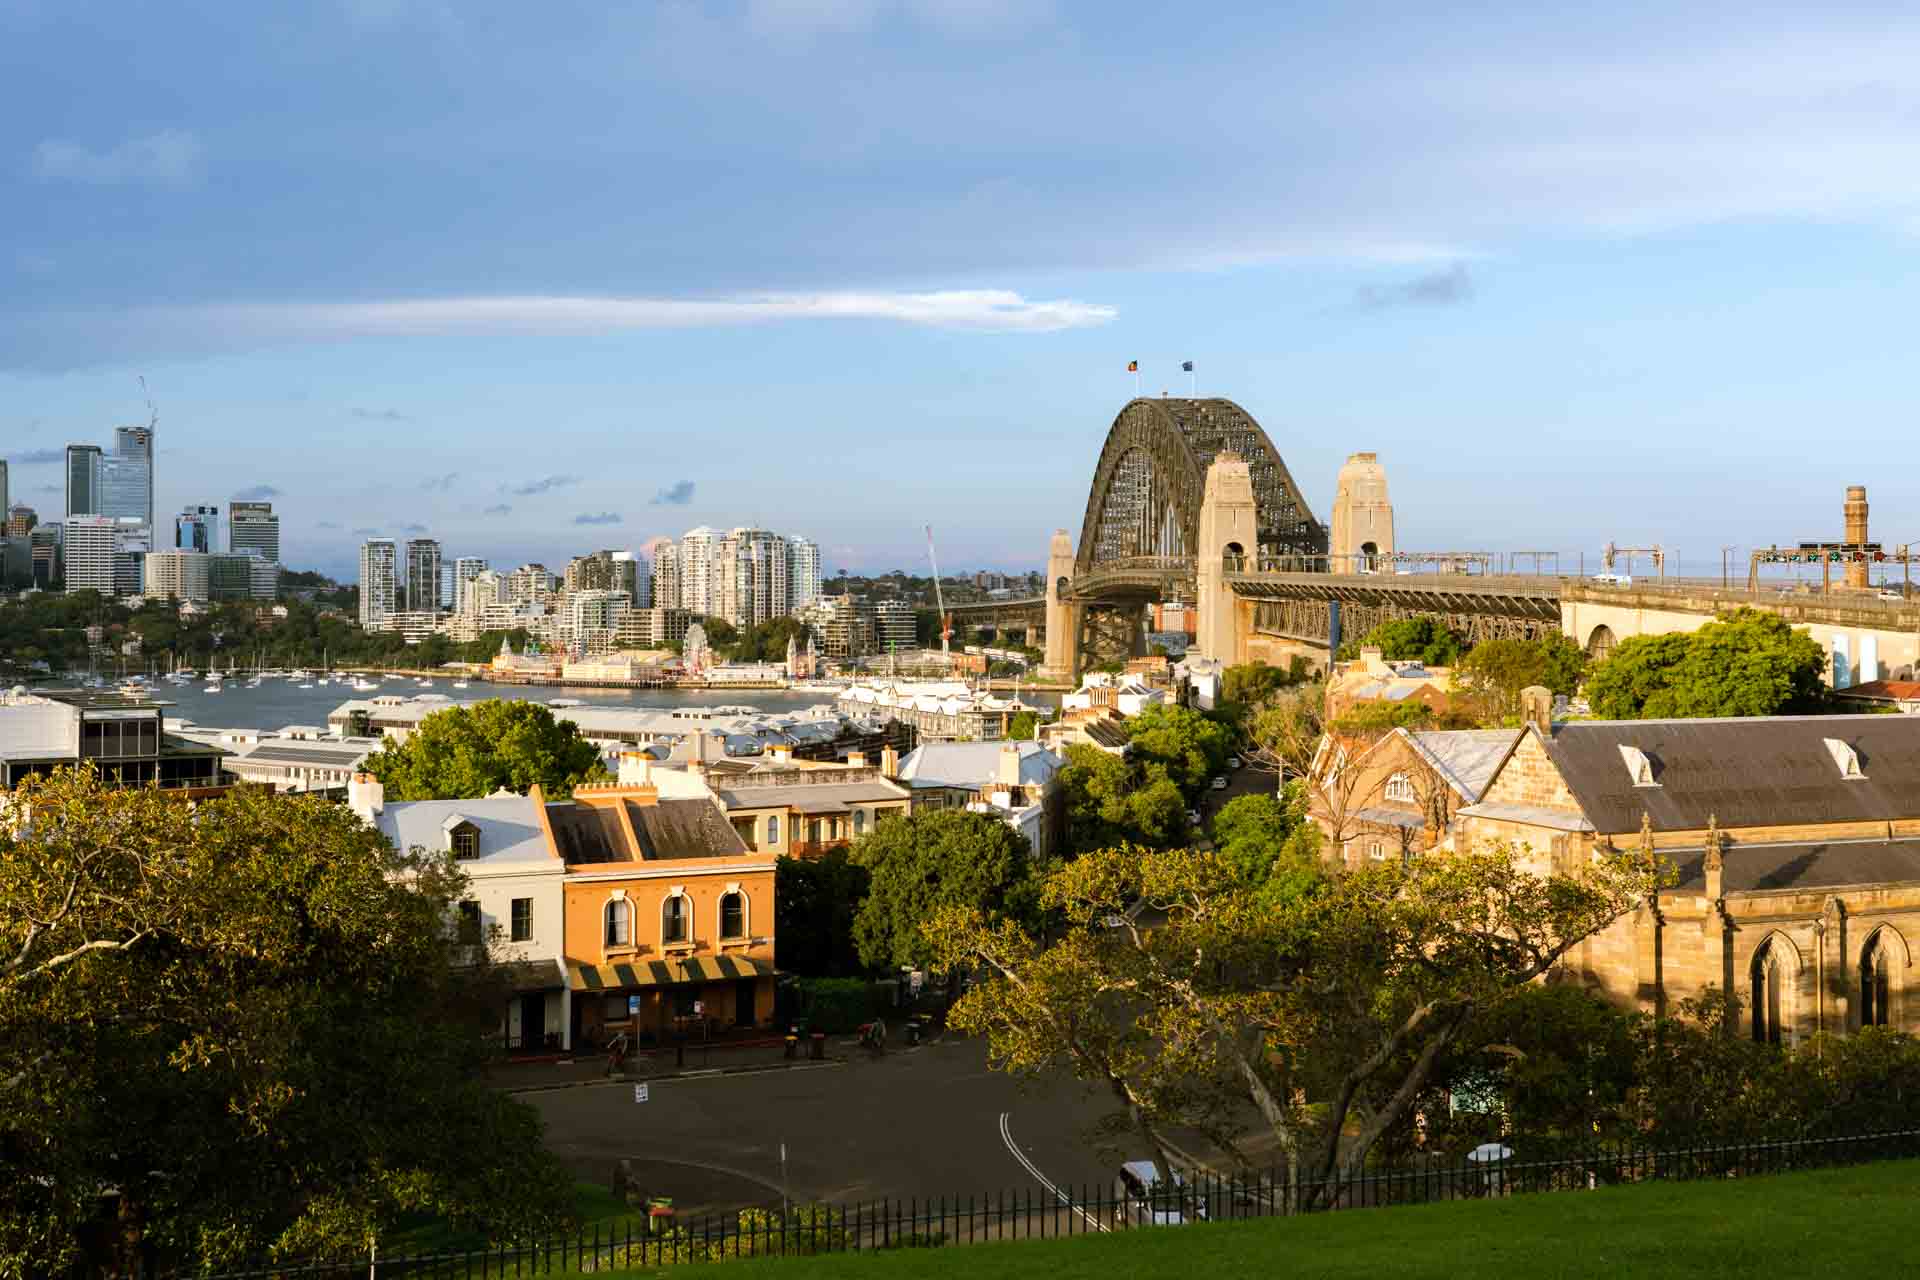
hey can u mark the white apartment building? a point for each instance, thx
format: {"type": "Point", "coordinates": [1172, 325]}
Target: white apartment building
{"type": "Point", "coordinates": [178, 575]}
{"type": "Point", "coordinates": [529, 584]}
{"type": "Point", "coordinates": [750, 579]}
{"type": "Point", "coordinates": [379, 582]}
{"type": "Point", "coordinates": [465, 570]}
{"type": "Point", "coordinates": [666, 577]}
{"type": "Point", "coordinates": [803, 570]}
{"type": "Point", "coordinates": [423, 576]}
{"type": "Point", "coordinates": [92, 543]}
{"type": "Point", "coordinates": [698, 548]}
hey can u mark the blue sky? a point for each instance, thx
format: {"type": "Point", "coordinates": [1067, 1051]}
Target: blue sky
{"type": "Point", "coordinates": [844, 267]}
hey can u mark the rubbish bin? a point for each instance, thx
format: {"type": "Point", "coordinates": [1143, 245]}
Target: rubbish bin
{"type": "Point", "coordinates": [819, 1046]}
{"type": "Point", "coordinates": [913, 1031]}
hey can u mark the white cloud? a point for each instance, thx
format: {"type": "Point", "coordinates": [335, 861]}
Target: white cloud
{"type": "Point", "coordinates": [985, 310]}
{"type": "Point", "coordinates": [170, 156]}
{"type": "Point", "coordinates": [954, 17]}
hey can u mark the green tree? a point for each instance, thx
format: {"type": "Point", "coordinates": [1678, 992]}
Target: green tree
{"type": "Point", "coordinates": [1346, 997]}
{"type": "Point", "coordinates": [1022, 727]}
{"type": "Point", "coordinates": [1423, 639]}
{"type": "Point", "coordinates": [927, 861]}
{"type": "Point", "coordinates": [1254, 682]}
{"type": "Point", "coordinates": [1492, 674]}
{"type": "Point", "coordinates": [466, 752]}
{"type": "Point", "coordinates": [1190, 746]}
{"type": "Point", "coordinates": [250, 1018]}
{"type": "Point", "coordinates": [1111, 800]}
{"type": "Point", "coordinates": [815, 902]}
{"type": "Point", "coordinates": [1745, 663]}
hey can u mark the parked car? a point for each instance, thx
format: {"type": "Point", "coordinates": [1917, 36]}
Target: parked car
{"type": "Point", "coordinates": [1891, 595]}
{"type": "Point", "coordinates": [1140, 1197]}
{"type": "Point", "coordinates": [1613, 579]}
{"type": "Point", "coordinates": [1219, 784]}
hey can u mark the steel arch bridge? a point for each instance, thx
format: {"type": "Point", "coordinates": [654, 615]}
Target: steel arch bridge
{"type": "Point", "coordinates": [1143, 510]}
{"type": "Point", "coordinates": [1141, 532]}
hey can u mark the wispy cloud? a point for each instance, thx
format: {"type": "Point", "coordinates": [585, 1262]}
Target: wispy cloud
{"type": "Point", "coordinates": [37, 457]}
{"type": "Point", "coordinates": [367, 531]}
{"type": "Point", "coordinates": [380, 415]}
{"type": "Point", "coordinates": [327, 524]}
{"type": "Point", "coordinates": [1436, 289]}
{"type": "Point", "coordinates": [597, 517]}
{"type": "Point", "coordinates": [677, 494]}
{"type": "Point", "coordinates": [545, 484]}
{"type": "Point", "coordinates": [413, 528]}
{"type": "Point", "coordinates": [257, 493]}
{"type": "Point", "coordinates": [498, 509]}
{"type": "Point", "coordinates": [171, 157]}
{"type": "Point", "coordinates": [440, 484]}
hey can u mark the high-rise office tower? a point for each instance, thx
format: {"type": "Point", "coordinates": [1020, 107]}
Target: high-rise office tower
{"type": "Point", "coordinates": [422, 575]}
{"type": "Point", "coordinates": [197, 529]}
{"type": "Point", "coordinates": [465, 570]}
{"type": "Point", "coordinates": [5, 504]}
{"type": "Point", "coordinates": [803, 570]}
{"type": "Point", "coordinates": [83, 480]}
{"type": "Point", "coordinates": [378, 582]}
{"type": "Point", "coordinates": [127, 477]}
{"type": "Point", "coordinates": [252, 526]}
{"type": "Point", "coordinates": [632, 575]}
{"type": "Point", "coordinates": [666, 575]}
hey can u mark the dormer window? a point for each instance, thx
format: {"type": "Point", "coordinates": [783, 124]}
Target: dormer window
{"type": "Point", "coordinates": [463, 837]}
{"type": "Point", "coordinates": [1639, 766]}
{"type": "Point", "coordinates": [1847, 758]}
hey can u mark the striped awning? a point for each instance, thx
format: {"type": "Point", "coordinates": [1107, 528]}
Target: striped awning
{"type": "Point", "coordinates": [674, 972]}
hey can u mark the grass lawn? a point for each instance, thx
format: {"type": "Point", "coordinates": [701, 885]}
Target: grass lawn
{"type": "Point", "coordinates": [1854, 1221]}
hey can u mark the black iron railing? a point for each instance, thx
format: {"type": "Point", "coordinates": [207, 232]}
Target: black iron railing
{"type": "Point", "coordinates": [1050, 1211]}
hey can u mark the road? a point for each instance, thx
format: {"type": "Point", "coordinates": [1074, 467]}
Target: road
{"type": "Point", "coordinates": [926, 1122]}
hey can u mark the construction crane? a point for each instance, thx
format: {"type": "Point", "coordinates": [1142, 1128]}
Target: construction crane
{"type": "Point", "coordinates": [939, 600]}
{"type": "Point", "coordinates": [153, 414]}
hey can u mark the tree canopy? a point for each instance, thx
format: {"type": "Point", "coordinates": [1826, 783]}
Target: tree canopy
{"type": "Point", "coordinates": [248, 1017]}
{"type": "Point", "coordinates": [1423, 639]}
{"type": "Point", "coordinates": [815, 903]}
{"type": "Point", "coordinates": [1271, 843]}
{"type": "Point", "coordinates": [1191, 747]}
{"type": "Point", "coordinates": [1111, 800]}
{"type": "Point", "coordinates": [928, 861]}
{"type": "Point", "coordinates": [1745, 663]}
{"type": "Point", "coordinates": [1346, 997]}
{"type": "Point", "coordinates": [1492, 674]}
{"type": "Point", "coordinates": [465, 752]}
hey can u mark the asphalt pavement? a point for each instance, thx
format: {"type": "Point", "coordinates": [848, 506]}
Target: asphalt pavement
{"type": "Point", "coordinates": [923, 1122]}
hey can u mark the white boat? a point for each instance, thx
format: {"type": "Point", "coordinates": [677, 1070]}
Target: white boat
{"type": "Point", "coordinates": [307, 685]}
{"type": "Point", "coordinates": [215, 686]}
{"type": "Point", "coordinates": [459, 684]}
{"type": "Point", "coordinates": [365, 686]}
{"type": "Point", "coordinates": [299, 673]}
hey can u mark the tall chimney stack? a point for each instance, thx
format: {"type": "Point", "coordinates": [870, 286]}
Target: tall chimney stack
{"type": "Point", "coordinates": [1856, 510]}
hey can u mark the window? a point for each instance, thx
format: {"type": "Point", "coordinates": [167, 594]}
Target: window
{"type": "Point", "coordinates": [1377, 851]}
{"type": "Point", "coordinates": [1766, 994]}
{"type": "Point", "coordinates": [466, 842]}
{"type": "Point", "coordinates": [469, 924]}
{"type": "Point", "coordinates": [1873, 983]}
{"type": "Point", "coordinates": [773, 829]}
{"type": "Point", "coordinates": [859, 822]}
{"type": "Point", "coordinates": [523, 919]}
{"type": "Point", "coordinates": [619, 923]}
{"type": "Point", "coordinates": [673, 919]}
{"type": "Point", "coordinates": [1400, 787]}
{"type": "Point", "coordinates": [733, 915]}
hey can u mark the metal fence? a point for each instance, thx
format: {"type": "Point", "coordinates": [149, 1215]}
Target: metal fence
{"type": "Point", "coordinates": [1058, 1211]}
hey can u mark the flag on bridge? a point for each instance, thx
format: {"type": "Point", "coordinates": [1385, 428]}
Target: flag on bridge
{"type": "Point", "coordinates": [1133, 366]}
{"type": "Point", "coordinates": [1186, 366]}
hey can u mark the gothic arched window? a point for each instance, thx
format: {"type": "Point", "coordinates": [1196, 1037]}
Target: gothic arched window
{"type": "Point", "coordinates": [1766, 975]}
{"type": "Point", "coordinates": [1873, 982]}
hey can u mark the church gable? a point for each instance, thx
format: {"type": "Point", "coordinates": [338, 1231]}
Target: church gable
{"type": "Point", "coordinates": [1529, 780]}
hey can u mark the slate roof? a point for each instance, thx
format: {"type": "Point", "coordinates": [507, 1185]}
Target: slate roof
{"type": "Point", "coordinates": [1746, 772]}
{"type": "Point", "coordinates": [1465, 759]}
{"type": "Point", "coordinates": [811, 797]}
{"type": "Point", "coordinates": [587, 833]}
{"type": "Point", "coordinates": [690, 828]}
{"type": "Point", "coordinates": [1807, 865]}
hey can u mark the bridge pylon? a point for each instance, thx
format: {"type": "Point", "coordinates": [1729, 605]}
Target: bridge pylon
{"type": "Point", "coordinates": [1063, 618]}
{"type": "Point", "coordinates": [1229, 526]}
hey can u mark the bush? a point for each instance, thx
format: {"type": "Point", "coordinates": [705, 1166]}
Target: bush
{"type": "Point", "coordinates": [837, 1005]}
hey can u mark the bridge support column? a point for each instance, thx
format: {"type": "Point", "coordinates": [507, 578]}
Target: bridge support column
{"type": "Point", "coordinates": [1063, 619]}
{"type": "Point", "coordinates": [1229, 526]}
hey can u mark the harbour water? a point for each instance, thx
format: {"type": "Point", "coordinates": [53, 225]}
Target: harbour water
{"type": "Point", "coordinates": [277, 703]}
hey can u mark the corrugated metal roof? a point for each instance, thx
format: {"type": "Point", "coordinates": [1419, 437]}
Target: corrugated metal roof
{"type": "Point", "coordinates": [812, 797]}
{"type": "Point", "coordinates": [1745, 772]}
{"type": "Point", "coordinates": [1465, 759]}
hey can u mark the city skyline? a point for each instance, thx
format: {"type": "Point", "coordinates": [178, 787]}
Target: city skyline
{"type": "Point", "coordinates": [1551, 257]}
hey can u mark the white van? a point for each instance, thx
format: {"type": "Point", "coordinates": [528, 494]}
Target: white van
{"type": "Point", "coordinates": [1139, 1197]}
{"type": "Point", "coordinates": [1613, 579]}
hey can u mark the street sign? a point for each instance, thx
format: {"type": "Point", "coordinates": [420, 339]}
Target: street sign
{"type": "Point", "coordinates": [639, 1093]}
{"type": "Point", "coordinates": [699, 1008]}
{"type": "Point", "coordinates": [633, 1006]}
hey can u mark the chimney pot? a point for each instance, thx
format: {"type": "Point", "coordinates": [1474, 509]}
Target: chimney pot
{"type": "Point", "coordinates": [1536, 707]}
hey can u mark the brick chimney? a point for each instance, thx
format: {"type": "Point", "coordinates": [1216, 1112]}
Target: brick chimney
{"type": "Point", "coordinates": [780, 752]}
{"type": "Point", "coordinates": [366, 796]}
{"type": "Point", "coordinates": [1373, 661]}
{"type": "Point", "coordinates": [1536, 708]}
{"type": "Point", "coordinates": [856, 759]}
{"type": "Point", "coordinates": [889, 763]}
